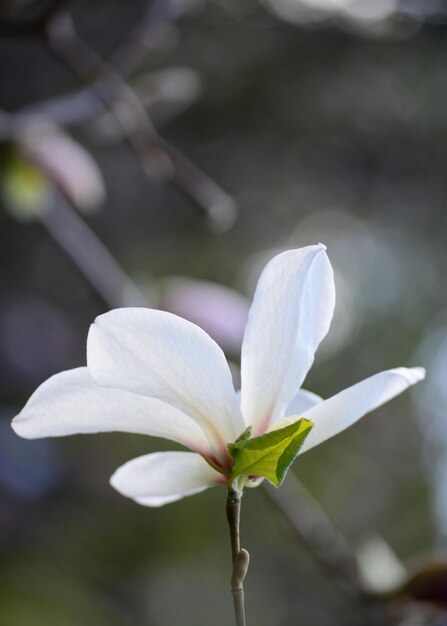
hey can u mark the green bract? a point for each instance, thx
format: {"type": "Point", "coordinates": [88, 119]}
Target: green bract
{"type": "Point", "coordinates": [269, 455]}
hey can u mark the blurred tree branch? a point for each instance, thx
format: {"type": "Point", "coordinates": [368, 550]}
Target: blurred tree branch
{"type": "Point", "coordinates": [90, 255]}
{"type": "Point", "coordinates": [153, 151]}
{"type": "Point", "coordinates": [107, 90]}
{"type": "Point", "coordinates": [306, 518]}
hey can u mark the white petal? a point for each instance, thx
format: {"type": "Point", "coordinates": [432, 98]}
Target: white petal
{"type": "Point", "coordinates": [303, 401]}
{"type": "Point", "coordinates": [162, 477]}
{"type": "Point", "coordinates": [71, 402]}
{"type": "Point", "coordinates": [340, 411]}
{"type": "Point", "coordinates": [290, 315]}
{"type": "Point", "coordinates": [158, 354]}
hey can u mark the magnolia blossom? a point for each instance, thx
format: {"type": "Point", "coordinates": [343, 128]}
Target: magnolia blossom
{"type": "Point", "coordinates": [154, 373]}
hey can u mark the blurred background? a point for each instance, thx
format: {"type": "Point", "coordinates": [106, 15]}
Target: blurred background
{"type": "Point", "coordinates": [159, 152]}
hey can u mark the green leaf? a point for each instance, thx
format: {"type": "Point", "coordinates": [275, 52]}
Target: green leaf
{"type": "Point", "coordinates": [269, 455]}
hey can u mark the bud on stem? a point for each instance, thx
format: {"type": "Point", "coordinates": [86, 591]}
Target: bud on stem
{"type": "Point", "coordinates": [240, 557]}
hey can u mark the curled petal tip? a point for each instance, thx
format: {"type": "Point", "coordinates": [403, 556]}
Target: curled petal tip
{"type": "Point", "coordinates": [114, 480]}
{"type": "Point", "coordinates": [16, 426]}
{"type": "Point", "coordinates": [416, 374]}
{"type": "Point", "coordinates": [411, 375]}
{"type": "Point", "coordinates": [322, 246]}
{"type": "Point", "coordinates": [21, 427]}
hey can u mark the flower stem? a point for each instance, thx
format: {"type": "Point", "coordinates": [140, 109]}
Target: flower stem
{"type": "Point", "coordinates": [240, 556]}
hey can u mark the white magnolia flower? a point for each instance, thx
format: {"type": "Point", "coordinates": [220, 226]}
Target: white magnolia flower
{"type": "Point", "coordinates": [154, 373]}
